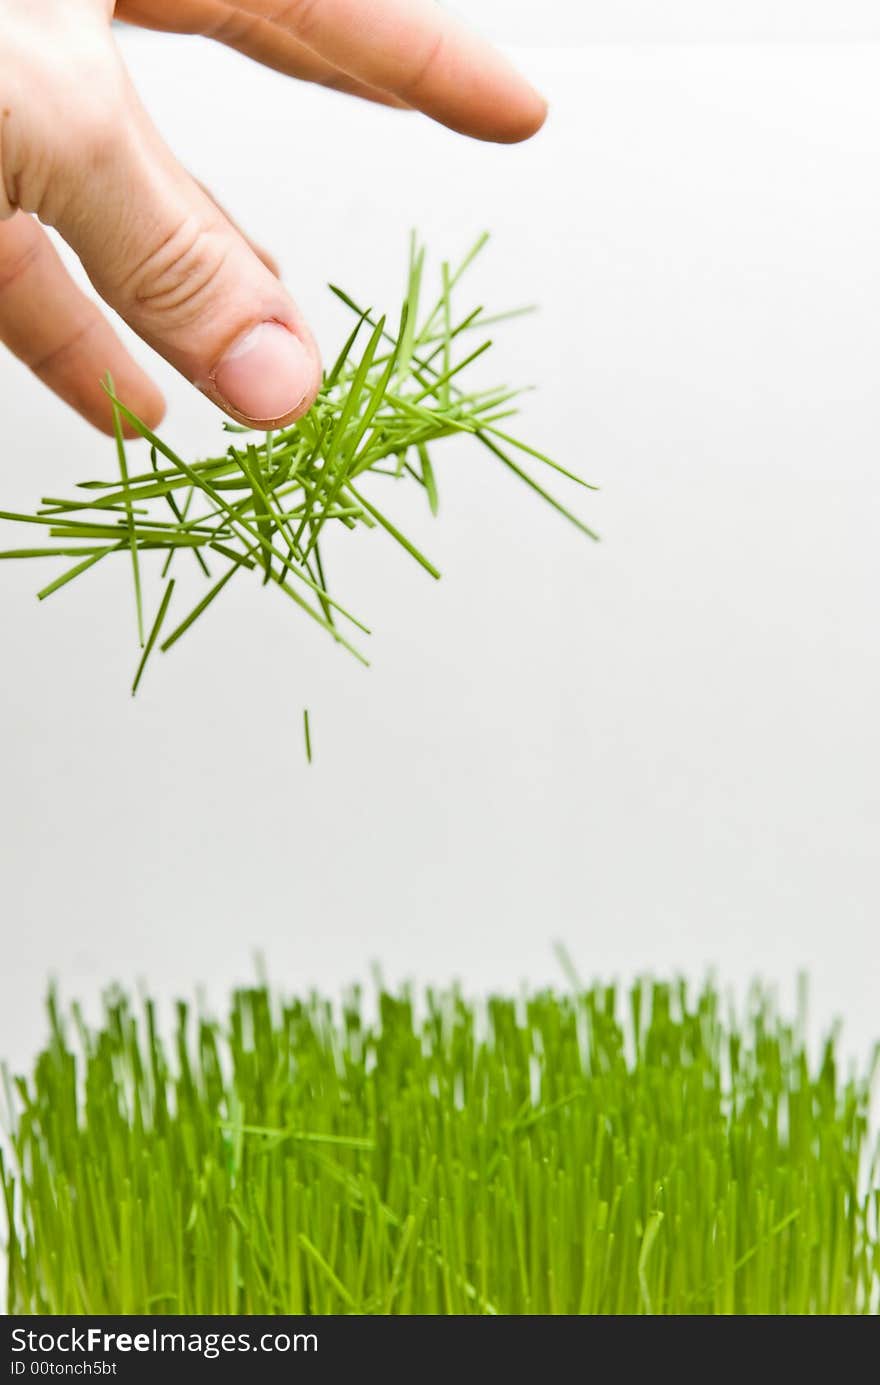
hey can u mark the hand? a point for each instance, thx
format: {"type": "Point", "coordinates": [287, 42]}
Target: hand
{"type": "Point", "coordinates": [78, 152]}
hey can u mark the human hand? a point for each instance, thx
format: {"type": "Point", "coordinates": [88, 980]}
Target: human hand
{"type": "Point", "coordinates": [78, 152]}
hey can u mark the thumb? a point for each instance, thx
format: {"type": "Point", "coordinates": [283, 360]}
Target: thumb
{"type": "Point", "coordinates": [164, 255]}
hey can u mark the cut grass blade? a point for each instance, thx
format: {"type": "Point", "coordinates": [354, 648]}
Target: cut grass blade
{"type": "Point", "coordinates": [154, 635]}
{"type": "Point", "coordinates": [75, 571]}
{"type": "Point", "coordinates": [198, 610]}
{"type": "Point", "coordinates": [395, 533]}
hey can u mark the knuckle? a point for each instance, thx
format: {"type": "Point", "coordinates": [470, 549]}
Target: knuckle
{"type": "Point", "coordinates": [14, 268]}
{"type": "Point", "coordinates": [424, 68]}
{"type": "Point", "coordinates": [55, 63]}
{"type": "Point", "coordinates": [92, 110]}
{"type": "Point", "coordinates": [233, 27]}
{"type": "Point", "coordinates": [75, 341]}
{"type": "Point", "coordinates": [9, 188]}
{"type": "Point", "coordinates": [177, 278]}
{"type": "Point", "coordinates": [94, 128]}
{"type": "Point", "coordinates": [60, 119]}
{"type": "Point", "coordinates": [297, 15]}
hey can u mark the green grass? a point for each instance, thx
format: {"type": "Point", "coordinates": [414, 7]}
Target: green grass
{"type": "Point", "coordinates": [264, 507]}
{"type": "Point", "coordinates": [599, 1152]}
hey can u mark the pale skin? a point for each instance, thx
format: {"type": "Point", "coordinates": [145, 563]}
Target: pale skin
{"type": "Point", "coordinates": [79, 153]}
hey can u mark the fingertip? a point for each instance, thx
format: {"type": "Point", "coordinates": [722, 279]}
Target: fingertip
{"type": "Point", "coordinates": [155, 409]}
{"type": "Point", "coordinates": [269, 376]}
{"type": "Point", "coordinates": [136, 391]}
{"type": "Point", "coordinates": [102, 419]}
{"type": "Point", "coordinates": [151, 418]}
{"type": "Point", "coordinates": [538, 115]}
{"type": "Point", "coordinates": [151, 406]}
{"type": "Point", "coordinates": [526, 119]}
{"type": "Point", "coordinates": [145, 400]}
{"type": "Point", "coordinates": [511, 113]}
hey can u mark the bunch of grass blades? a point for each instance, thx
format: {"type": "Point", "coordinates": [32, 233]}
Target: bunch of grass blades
{"type": "Point", "coordinates": [266, 505]}
{"type": "Point", "coordinates": [591, 1153]}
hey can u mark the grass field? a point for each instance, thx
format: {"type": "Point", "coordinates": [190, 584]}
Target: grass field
{"type": "Point", "coordinates": [593, 1152]}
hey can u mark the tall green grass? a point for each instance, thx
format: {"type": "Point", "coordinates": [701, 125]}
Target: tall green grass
{"type": "Point", "coordinates": [601, 1152]}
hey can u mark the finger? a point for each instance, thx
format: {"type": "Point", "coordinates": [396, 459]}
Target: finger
{"type": "Point", "coordinates": [260, 251]}
{"type": "Point", "coordinates": [61, 334]}
{"type": "Point", "coordinates": [160, 251]}
{"type": "Point", "coordinates": [275, 47]}
{"type": "Point", "coordinates": [256, 38]}
{"type": "Point", "coordinates": [414, 50]}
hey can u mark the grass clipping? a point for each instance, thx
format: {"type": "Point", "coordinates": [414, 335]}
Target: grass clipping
{"type": "Point", "coordinates": [597, 1152]}
{"type": "Point", "coordinates": [266, 505]}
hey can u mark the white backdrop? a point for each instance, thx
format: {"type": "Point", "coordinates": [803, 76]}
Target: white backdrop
{"type": "Point", "coordinates": [661, 749]}
{"type": "Point", "coordinates": [665, 21]}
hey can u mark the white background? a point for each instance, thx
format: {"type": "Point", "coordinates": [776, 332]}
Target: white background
{"type": "Point", "coordinates": [661, 749]}
{"type": "Point", "coordinates": [665, 21]}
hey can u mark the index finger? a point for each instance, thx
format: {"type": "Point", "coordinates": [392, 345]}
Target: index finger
{"type": "Point", "coordinates": [414, 50]}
